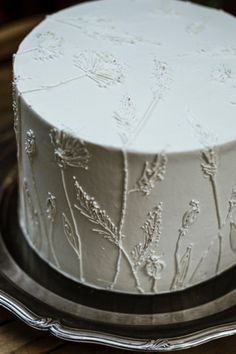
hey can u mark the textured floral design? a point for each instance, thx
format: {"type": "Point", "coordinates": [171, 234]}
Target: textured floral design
{"type": "Point", "coordinates": [154, 267]}
{"type": "Point", "coordinates": [162, 78]}
{"type": "Point", "coordinates": [33, 226]}
{"type": "Point", "coordinates": [50, 46]}
{"type": "Point", "coordinates": [51, 206]}
{"type": "Point", "coordinates": [102, 68]}
{"type": "Point", "coordinates": [70, 235]}
{"type": "Point", "coordinates": [33, 212]}
{"type": "Point", "coordinates": [105, 29]}
{"type": "Point", "coordinates": [209, 169]}
{"type": "Point", "coordinates": [153, 172]}
{"type": "Point", "coordinates": [126, 119]}
{"type": "Point", "coordinates": [182, 264]}
{"type": "Point", "coordinates": [30, 144]}
{"type": "Point", "coordinates": [51, 210]}
{"type": "Point", "coordinates": [189, 217]}
{"type": "Point", "coordinates": [209, 164]}
{"type": "Point", "coordinates": [183, 268]}
{"type": "Point", "coordinates": [152, 233]}
{"type": "Point", "coordinates": [90, 209]}
{"type": "Point", "coordinates": [69, 151]}
{"type": "Point", "coordinates": [232, 201]}
{"type": "Point", "coordinates": [222, 74]}
{"type": "Point", "coordinates": [15, 107]}
{"type": "Point", "coordinates": [144, 254]}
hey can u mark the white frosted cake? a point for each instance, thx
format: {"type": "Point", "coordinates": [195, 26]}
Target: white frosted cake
{"type": "Point", "coordinates": [125, 116]}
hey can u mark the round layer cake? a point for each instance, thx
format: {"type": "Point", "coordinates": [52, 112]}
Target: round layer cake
{"type": "Point", "coordinates": [125, 122]}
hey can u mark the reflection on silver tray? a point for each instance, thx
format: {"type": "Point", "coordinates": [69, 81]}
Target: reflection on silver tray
{"type": "Point", "coordinates": [46, 306]}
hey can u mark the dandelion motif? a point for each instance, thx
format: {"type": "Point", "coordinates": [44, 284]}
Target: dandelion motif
{"type": "Point", "coordinates": [103, 68]}
{"type": "Point", "coordinates": [30, 145]}
{"type": "Point", "coordinates": [69, 151]}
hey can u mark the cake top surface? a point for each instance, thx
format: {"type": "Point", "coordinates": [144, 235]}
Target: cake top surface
{"type": "Point", "coordinates": [143, 75]}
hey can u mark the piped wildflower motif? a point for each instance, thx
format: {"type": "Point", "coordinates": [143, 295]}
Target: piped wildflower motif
{"type": "Point", "coordinates": [51, 211]}
{"type": "Point", "coordinates": [103, 68]}
{"type": "Point", "coordinates": [183, 268]}
{"type": "Point", "coordinates": [144, 254]}
{"type": "Point", "coordinates": [209, 168]}
{"type": "Point", "coordinates": [162, 78]}
{"type": "Point", "coordinates": [232, 201]}
{"type": "Point", "coordinates": [69, 151]}
{"type": "Point", "coordinates": [153, 172]}
{"type": "Point", "coordinates": [30, 144]}
{"type": "Point", "coordinates": [89, 208]}
{"type": "Point", "coordinates": [50, 46]}
{"type": "Point", "coordinates": [51, 207]}
{"type": "Point", "coordinates": [125, 119]}
{"type": "Point", "coordinates": [182, 264]}
{"type": "Point", "coordinates": [209, 163]}
{"type": "Point", "coordinates": [222, 74]}
{"type": "Point", "coordinates": [189, 217]}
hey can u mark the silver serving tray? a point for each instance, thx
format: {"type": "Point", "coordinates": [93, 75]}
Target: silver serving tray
{"type": "Point", "coordinates": [40, 307]}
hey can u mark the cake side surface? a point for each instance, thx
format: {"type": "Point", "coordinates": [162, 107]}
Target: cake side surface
{"type": "Point", "coordinates": [125, 183]}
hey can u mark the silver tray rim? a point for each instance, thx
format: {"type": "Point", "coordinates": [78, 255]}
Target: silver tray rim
{"type": "Point", "coordinates": [56, 327]}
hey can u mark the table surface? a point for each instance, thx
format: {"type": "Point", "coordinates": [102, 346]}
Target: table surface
{"type": "Point", "coordinates": [15, 336]}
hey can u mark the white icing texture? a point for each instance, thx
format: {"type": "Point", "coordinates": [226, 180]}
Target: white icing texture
{"type": "Point", "coordinates": [174, 60]}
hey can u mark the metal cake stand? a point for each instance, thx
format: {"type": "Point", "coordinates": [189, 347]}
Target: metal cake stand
{"type": "Point", "coordinates": [45, 300]}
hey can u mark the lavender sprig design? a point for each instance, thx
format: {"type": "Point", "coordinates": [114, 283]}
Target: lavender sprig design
{"type": "Point", "coordinates": [70, 152]}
